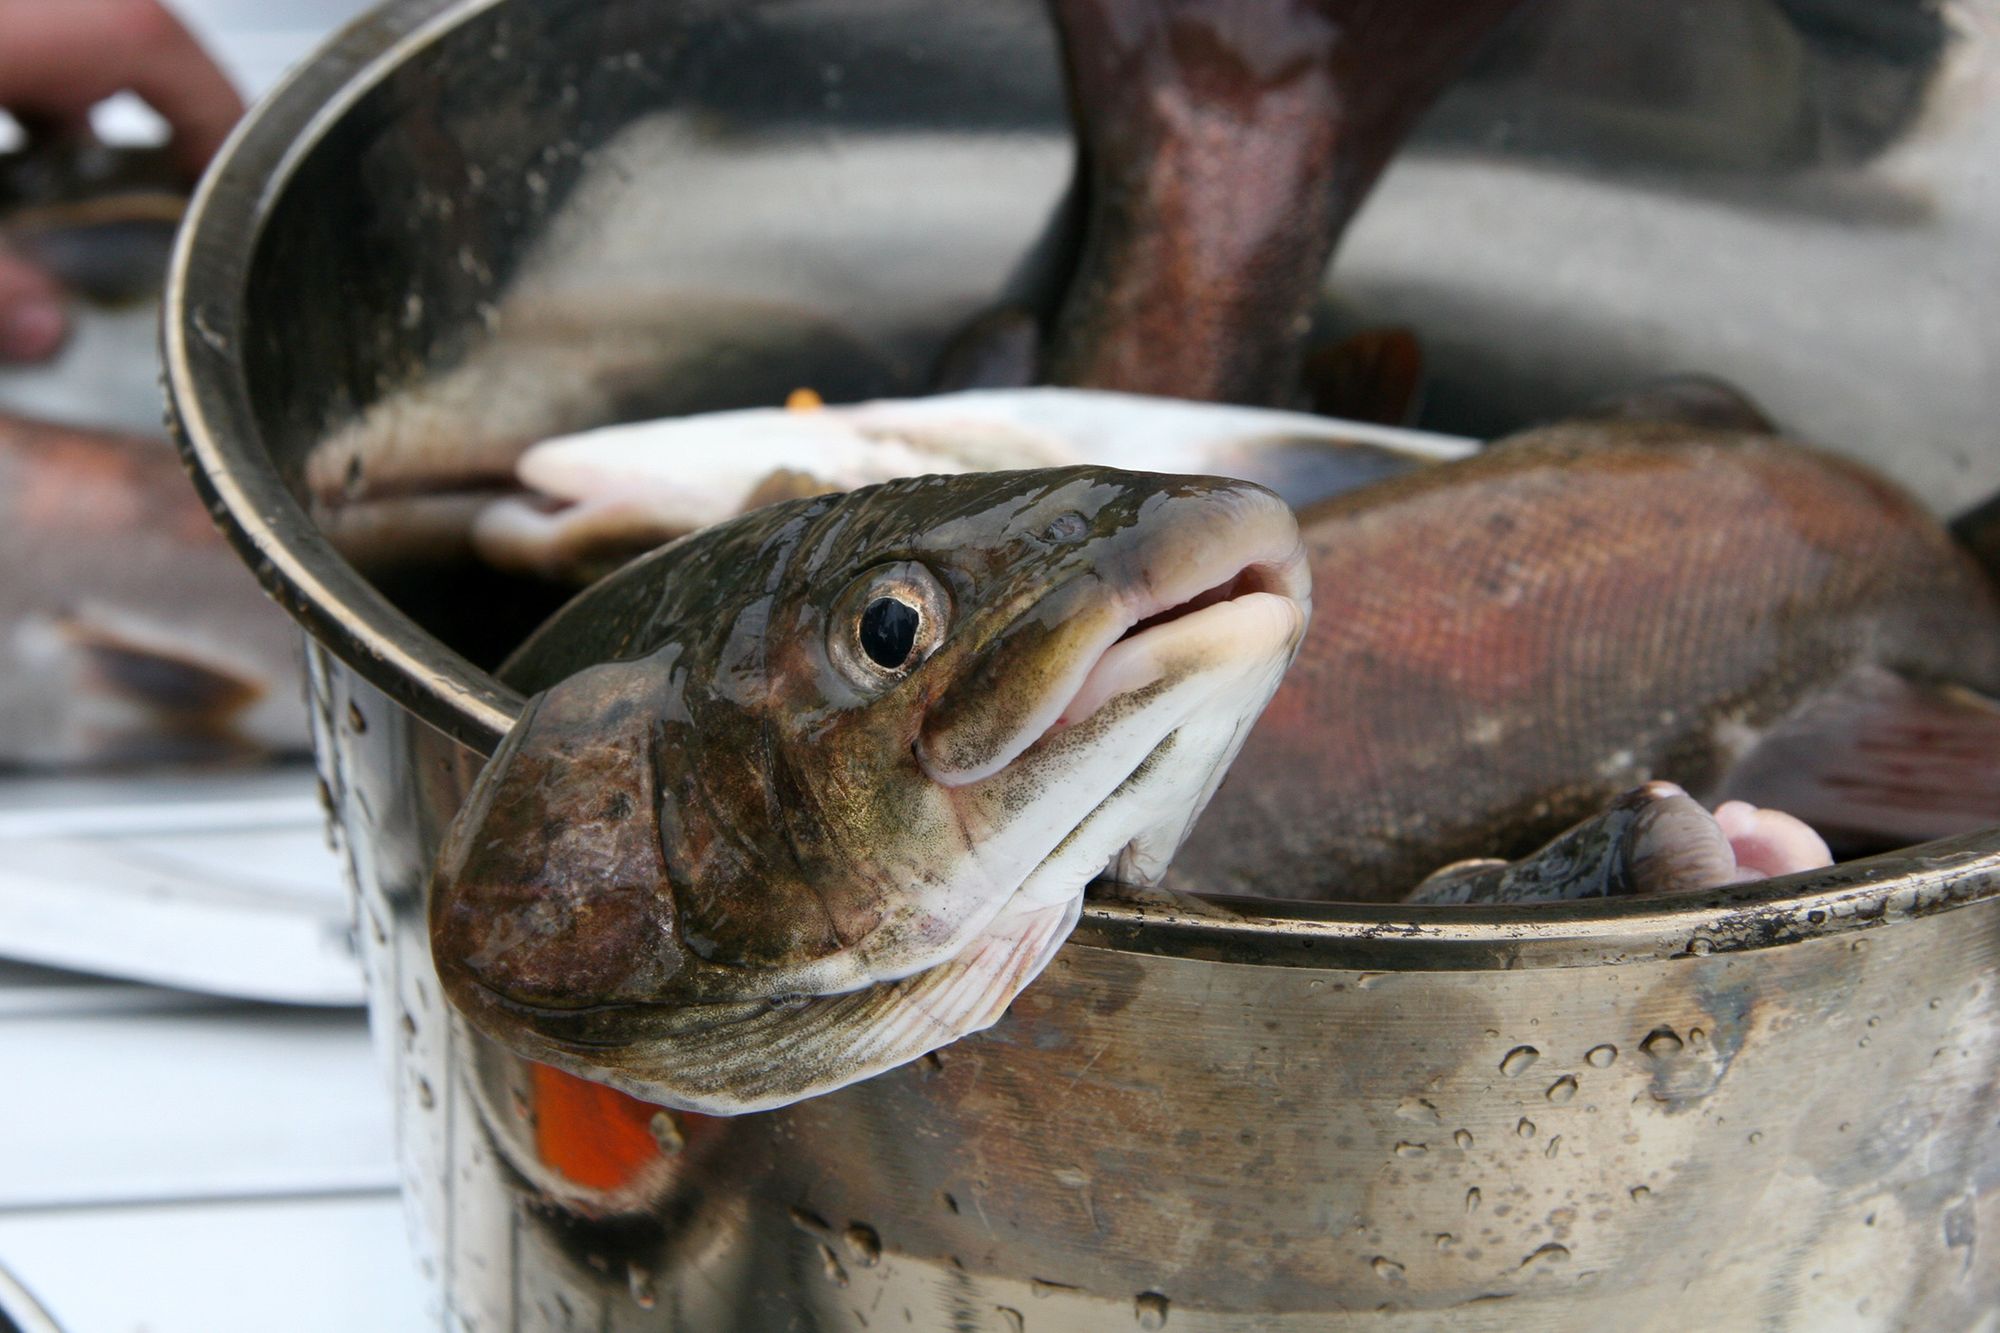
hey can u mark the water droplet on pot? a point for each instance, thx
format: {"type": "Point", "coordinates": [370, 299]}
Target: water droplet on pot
{"type": "Point", "coordinates": [1519, 1061]}
{"type": "Point", "coordinates": [1150, 1309]}
{"type": "Point", "coordinates": [1562, 1089]}
{"type": "Point", "coordinates": [1387, 1269]}
{"type": "Point", "coordinates": [1547, 1256]}
{"type": "Point", "coordinates": [863, 1245]}
{"type": "Point", "coordinates": [1601, 1057]}
{"type": "Point", "coordinates": [1661, 1043]}
{"type": "Point", "coordinates": [1417, 1111]}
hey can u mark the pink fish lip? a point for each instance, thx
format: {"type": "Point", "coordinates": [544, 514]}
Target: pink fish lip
{"type": "Point", "coordinates": [1255, 564]}
{"type": "Point", "coordinates": [1113, 671]}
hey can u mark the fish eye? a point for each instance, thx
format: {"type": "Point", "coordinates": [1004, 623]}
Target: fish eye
{"type": "Point", "coordinates": [889, 631]}
{"type": "Point", "coordinates": [888, 622]}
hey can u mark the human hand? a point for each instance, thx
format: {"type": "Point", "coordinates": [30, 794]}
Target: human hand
{"type": "Point", "coordinates": [58, 59]}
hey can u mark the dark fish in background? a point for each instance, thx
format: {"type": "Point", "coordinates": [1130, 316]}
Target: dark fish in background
{"type": "Point", "coordinates": [1224, 148]}
{"type": "Point", "coordinates": [129, 632]}
{"type": "Point", "coordinates": [1502, 645]}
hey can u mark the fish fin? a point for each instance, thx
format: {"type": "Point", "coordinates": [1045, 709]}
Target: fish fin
{"type": "Point", "coordinates": [1162, 897]}
{"type": "Point", "coordinates": [595, 1137]}
{"type": "Point", "coordinates": [1705, 401]}
{"type": "Point", "coordinates": [727, 1059]}
{"type": "Point", "coordinates": [166, 678]}
{"type": "Point", "coordinates": [1881, 760]}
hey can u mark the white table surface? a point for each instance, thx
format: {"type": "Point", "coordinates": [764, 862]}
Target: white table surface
{"type": "Point", "coordinates": [180, 1157]}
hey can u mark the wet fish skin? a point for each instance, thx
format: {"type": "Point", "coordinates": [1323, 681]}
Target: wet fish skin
{"type": "Point", "coordinates": [720, 865]}
{"type": "Point", "coordinates": [129, 632]}
{"type": "Point", "coordinates": [1502, 645]}
{"type": "Point", "coordinates": [1223, 149]}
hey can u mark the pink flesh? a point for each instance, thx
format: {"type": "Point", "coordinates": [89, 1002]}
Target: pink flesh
{"type": "Point", "coordinates": [1120, 667]}
{"type": "Point", "coordinates": [1769, 842]}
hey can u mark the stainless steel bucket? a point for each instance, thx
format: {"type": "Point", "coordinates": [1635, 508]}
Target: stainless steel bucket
{"type": "Point", "coordinates": [1774, 1108]}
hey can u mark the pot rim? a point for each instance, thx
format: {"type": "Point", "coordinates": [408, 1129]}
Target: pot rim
{"type": "Point", "coordinates": [213, 422]}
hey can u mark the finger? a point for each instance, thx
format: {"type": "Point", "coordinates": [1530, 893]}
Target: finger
{"type": "Point", "coordinates": [181, 81]}
{"type": "Point", "coordinates": [32, 322]}
{"type": "Point", "coordinates": [63, 59]}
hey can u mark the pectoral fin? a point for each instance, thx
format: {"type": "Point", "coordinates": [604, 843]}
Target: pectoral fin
{"type": "Point", "coordinates": [727, 1059]}
{"type": "Point", "coordinates": [1881, 761]}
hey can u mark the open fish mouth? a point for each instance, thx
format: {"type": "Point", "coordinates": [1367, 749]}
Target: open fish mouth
{"type": "Point", "coordinates": [1257, 602]}
{"type": "Point", "coordinates": [1183, 599]}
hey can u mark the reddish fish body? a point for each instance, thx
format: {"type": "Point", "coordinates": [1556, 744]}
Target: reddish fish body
{"type": "Point", "coordinates": [1224, 148]}
{"type": "Point", "coordinates": [1502, 645]}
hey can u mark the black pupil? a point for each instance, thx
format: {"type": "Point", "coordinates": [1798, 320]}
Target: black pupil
{"type": "Point", "coordinates": [889, 631]}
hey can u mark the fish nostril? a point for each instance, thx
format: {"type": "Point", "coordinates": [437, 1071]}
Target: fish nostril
{"type": "Point", "coordinates": [1067, 527]}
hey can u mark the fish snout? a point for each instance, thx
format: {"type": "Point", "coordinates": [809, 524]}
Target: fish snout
{"type": "Point", "coordinates": [1194, 545]}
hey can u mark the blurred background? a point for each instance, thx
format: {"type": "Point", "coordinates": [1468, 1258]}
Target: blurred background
{"type": "Point", "coordinates": [196, 1136]}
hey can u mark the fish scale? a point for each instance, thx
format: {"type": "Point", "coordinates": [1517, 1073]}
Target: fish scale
{"type": "Point", "coordinates": [1503, 645]}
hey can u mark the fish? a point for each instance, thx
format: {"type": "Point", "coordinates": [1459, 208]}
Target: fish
{"type": "Point", "coordinates": [807, 794]}
{"type": "Point", "coordinates": [1223, 148]}
{"type": "Point", "coordinates": [598, 498]}
{"type": "Point", "coordinates": [1652, 841]}
{"type": "Point", "coordinates": [1505, 643]}
{"type": "Point", "coordinates": [130, 634]}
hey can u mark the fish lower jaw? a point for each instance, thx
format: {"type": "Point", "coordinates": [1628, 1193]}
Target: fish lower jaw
{"type": "Point", "coordinates": [1250, 624]}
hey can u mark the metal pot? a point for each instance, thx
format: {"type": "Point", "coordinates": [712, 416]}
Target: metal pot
{"type": "Point", "coordinates": [1774, 1108]}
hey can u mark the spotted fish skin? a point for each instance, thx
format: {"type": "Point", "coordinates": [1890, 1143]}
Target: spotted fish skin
{"type": "Point", "coordinates": [1503, 645]}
